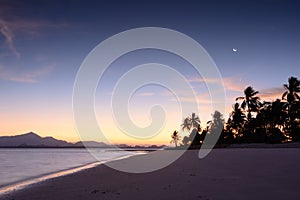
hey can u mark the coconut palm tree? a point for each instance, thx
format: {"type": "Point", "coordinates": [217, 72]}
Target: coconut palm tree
{"type": "Point", "coordinates": [250, 101]}
{"type": "Point", "coordinates": [217, 122]}
{"type": "Point", "coordinates": [195, 120]}
{"type": "Point", "coordinates": [216, 126]}
{"type": "Point", "coordinates": [291, 96]}
{"type": "Point", "coordinates": [276, 113]}
{"type": "Point", "coordinates": [292, 88]}
{"type": "Point", "coordinates": [236, 121]}
{"type": "Point", "coordinates": [192, 124]}
{"type": "Point", "coordinates": [270, 121]}
{"type": "Point", "coordinates": [186, 125]}
{"type": "Point", "coordinates": [175, 138]}
{"type": "Point", "coordinates": [293, 101]}
{"type": "Point", "coordinates": [185, 140]}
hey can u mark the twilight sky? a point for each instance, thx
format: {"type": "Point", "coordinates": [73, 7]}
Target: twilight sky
{"type": "Point", "coordinates": [43, 43]}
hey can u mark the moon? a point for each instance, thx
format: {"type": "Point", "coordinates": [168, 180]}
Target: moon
{"type": "Point", "coordinates": [234, 50]}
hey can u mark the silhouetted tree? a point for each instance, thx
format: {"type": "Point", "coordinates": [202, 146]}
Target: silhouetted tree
{"type": "Point", "coordinates": [186, 125]}
{"type": "Point", "coordinates": [270, 121]}
{"type": "Point", "coordinates": [185, 141]}
{"type": "Point", "coordinates": [292, 88]}
{"type": "Point", "coordinates": [195, 120]}
{"type": "Point", "coordinates": [217, 121]}
{"type": "Point", "coordinates": [175, 138]}
{"type": "Point", "coordinates": [272, 114]}
{"type": "Point", "coordinates": [292, 98]}
{"type": "Point", "coordinates": [236, 122]}
{"type": "Point", "coordinates": [249, 104]}
{"type": "Point", "coordinates": [216, 125]}
{"type": "Point", "coordinates": [195, 137]}
{"type": "Point", "coordinates": [192, 124]}
{"type": "Point", "coordinates": [250, 101]}
{"type": "Point", "coordinates": [275, 122]}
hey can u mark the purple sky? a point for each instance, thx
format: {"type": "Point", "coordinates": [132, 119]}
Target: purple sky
{"type": "Point", "coordinates": [43, 43]}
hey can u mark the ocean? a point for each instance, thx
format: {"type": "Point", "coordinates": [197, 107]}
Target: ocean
{"type": "Point", "coordinates": [20, 164]}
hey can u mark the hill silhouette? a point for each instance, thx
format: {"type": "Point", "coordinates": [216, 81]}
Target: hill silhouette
{"type": "Point", "coordinates": [32, 139]}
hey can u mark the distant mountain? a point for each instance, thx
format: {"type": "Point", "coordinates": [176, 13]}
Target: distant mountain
{"type": "Point", "coordinates": [32, 140]}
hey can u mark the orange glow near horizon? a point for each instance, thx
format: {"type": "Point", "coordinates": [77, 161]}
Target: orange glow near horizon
{"type": "Point", "coordinates": [63, 127]}
{"type": "Point", "coordinates": [59, 123]}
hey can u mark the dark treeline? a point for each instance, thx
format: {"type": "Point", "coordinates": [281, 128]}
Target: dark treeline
{"type": "Point", "coordinates": [251, 120]}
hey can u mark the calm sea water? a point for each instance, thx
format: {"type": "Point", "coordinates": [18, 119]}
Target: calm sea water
{"type": "Point", "coordinates": [21, 164]}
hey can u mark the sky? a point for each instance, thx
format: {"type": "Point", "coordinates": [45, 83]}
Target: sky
{"type": "Point", "coordinates": [43, 44]}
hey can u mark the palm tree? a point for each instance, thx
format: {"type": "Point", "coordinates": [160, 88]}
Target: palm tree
{"type": "Point", "coordinates": [293, 100]}
{"type": "Point", "coordinates": [217, 122]}
{"type": "Point", "coordinates": [271, 119]}
{"type": "Point", "coordinates": [186, 124]}
{"type": "Point", "coordinates": [250, 101]}
{"type": "Point", "coordinates": [185, 140]}
{"type": "Point", "coordinates": [292, 88]}
{"type": "Point", "coordinates": [216, 126]}
{"type": "Point", "coordinates": [195, 120]}
{"type": "Point", "coordinates": [175, 138]}
{"type": "Point", "coordinates": [192, 124]}
{"type": "Point", "coordinates": [236, 120]}
{"type": "Point", "coordinates": [276, 113]}
{"type": "Point", "coordinates": [291, 95]}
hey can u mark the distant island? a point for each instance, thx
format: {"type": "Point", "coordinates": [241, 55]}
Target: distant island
{"type": "Point", "coordinates": [33, 140]}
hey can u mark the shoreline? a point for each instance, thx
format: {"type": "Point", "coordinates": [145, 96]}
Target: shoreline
{"type": "Point", "coordinates": [31, 182]}
{"type": "Point", "coordinates": [223, 174]}
{"type": "Point", "coordinates": [23, 184]}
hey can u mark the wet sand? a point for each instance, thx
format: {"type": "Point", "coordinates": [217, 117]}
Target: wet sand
{"type": "Point", "coordinates": [223, 174]}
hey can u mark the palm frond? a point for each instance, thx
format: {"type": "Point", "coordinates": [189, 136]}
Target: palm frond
{"type": "Point", "coordinates": [286, 86]}
{"type": "Point", "coordinates": [297, 96]}
{"type": "Point", "coordinates": [243, 105]}
{"type": "Point", "coordinates": [255, 93]}
{"type": "Point", "coordinates": [284, 95]}
{"type": "Point", "coordinates": [238, 98]}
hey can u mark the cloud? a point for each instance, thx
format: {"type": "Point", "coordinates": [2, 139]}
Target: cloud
{"type": "Point", "coordinates": [234, 84]}
{"type": "Point", "coordinates": [11, 25]}
{"type": "Point", "coordinates": [7, 32]}
{"type": "Point", "coordinates": [146, 94]}
{"type": "Point", "coordinates": [14, 25]}
{"type": "Point", "coordinates": [271, 94]}
{"type": "Point", "coordinates": [230, 83]}
{"type": "Point", "coordinates": [231, 86]}
{"type": "Point", "coordinates": [201, 98]}
{"type": "Point", "coordinates": [25, 77]}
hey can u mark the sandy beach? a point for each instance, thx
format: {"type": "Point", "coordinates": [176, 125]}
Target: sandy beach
{"type": "Point", "coordinates": [224, 174]}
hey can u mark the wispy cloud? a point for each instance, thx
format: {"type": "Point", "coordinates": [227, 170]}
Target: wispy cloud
{"type": "Point", "coordinates": [233, 84]}
{"type": "Point", "coordinates": [200, 98]}
{"type": "Point", "coordinates": [25, 77]}
{"type": "Point", "coordinates": [271, 94]}
{"type": "Point", "coordinates": [7, 32]}
{"type": "Point", "coordinates": [146, 94]}
{"type": "Point", "coordinates": [11, 26]}
{"type": "Point", "coordinates": [14, 26]}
